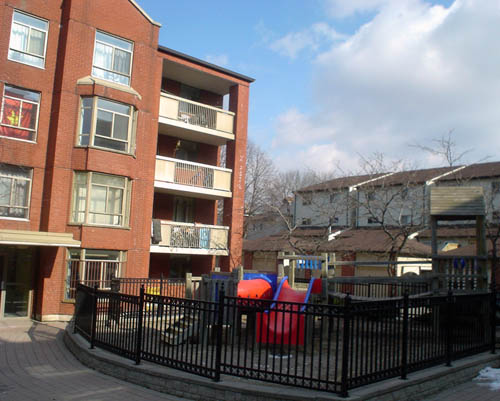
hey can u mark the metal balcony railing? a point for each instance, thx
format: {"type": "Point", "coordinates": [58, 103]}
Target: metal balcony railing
{"type": "Point", "coordinates": [193, 236]}
{"type": "Point", "coordinates": [194, 113]}
{"type": "Point", "coordinates": [199, 175]}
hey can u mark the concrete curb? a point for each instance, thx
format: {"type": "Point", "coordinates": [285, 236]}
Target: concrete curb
{"type": "Point", "coordinates": [181, 384]}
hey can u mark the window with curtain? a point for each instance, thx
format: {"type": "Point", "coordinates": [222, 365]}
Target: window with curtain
{"type": "Point", "coordinates": [112, 58]}
{"type": "Point", "coordinates": [15, 186]}
{"type": "Point", "coordinates": [106, 124]}
{"type": "Point", "coordinates": [100, 199]}
{"type": "Point", "coordinates": [28, 38]}
{"type": "Point", "coordinates": [19, 113]}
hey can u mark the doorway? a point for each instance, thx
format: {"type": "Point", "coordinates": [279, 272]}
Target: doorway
{"type": "Point", "coordinates": [16, 285]}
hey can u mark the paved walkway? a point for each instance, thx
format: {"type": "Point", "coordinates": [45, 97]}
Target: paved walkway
{"type": "Point", "coordinates": [35, 365]}
{"type": "Point", "coordinates": [470, 391]}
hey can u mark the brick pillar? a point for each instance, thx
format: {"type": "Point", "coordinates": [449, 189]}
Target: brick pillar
{"type": "Point", "coordinates": [348, 271]}
{"type": "Point", "coordinates": [236, 160]}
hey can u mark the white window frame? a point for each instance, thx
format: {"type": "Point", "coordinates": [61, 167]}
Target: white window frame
{"type": "Point", "coordinates": [29, 179]}
{"type": "Point", "coordinates": [46, 31]}
{"type": "Point", "coordinates": [35, 130]}
{"type": "Point", "coordinates": [92, 135]}
{"type": "Point", "coordinates": [129, 76]}
{"type": "Point", "coordinates": [125, 202]}
{"type": "Point", "coordinates": [83, 269]}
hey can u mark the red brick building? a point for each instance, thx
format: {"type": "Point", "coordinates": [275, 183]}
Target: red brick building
{"type": "Point", "coordinates": [110, 154]}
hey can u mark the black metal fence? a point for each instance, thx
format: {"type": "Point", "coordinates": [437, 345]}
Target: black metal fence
{"type": "Point", "coordinates": [325, 347]}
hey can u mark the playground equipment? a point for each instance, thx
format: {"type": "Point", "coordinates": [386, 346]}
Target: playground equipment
{"type": "Point", "coordinates": [284, 323]}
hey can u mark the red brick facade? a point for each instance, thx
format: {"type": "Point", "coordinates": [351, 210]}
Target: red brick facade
{"type": "Point", "coordinates": [54, 157]}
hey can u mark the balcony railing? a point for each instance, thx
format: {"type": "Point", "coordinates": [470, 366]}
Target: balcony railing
{"type": "Point", "coordinates": [197, 237]}
{"type": "Point", "coordinates": [181, 172]}
{"type": "Point", "coordinates": [197, 114]}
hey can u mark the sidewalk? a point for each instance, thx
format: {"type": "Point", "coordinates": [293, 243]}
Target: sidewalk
{"type": "Point", "coordinates": [470, 391]}
{"type": "Point", "coordinates": [36, 365]}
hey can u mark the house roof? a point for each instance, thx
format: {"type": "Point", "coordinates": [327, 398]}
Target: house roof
{"type": "Point", "coordinates": [439, 174]}
{"type": "Point", "coordinates": [470, 250]}
{"type": "Point", "coordinates": [351, 240]}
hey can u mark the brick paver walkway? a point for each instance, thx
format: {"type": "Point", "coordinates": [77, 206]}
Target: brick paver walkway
{"type": "Point", "coordinates": [35, 365]}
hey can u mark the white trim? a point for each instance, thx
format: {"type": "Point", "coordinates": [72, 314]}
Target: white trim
{"type": "Point", "coordinates": [172, 159]}
{"type": "Point", "coordinates": [188, 251]}
{"type": "Point", "coordinates": [39, 244]}
{"type": "Point", "coordinates": [196, 128]}
{"type": "Point", "coordinates": [433, 180]}
{"type": "Point", "coordinates": [206, 106]}
{"type": "Point", "coordinates": [192, 189]}
{"type": "Point", "coordinates": [178, 223]}
{"type": "Point", "coordinates": [144, 13]}
{"type": "Point", "coordinates": [355, 187]}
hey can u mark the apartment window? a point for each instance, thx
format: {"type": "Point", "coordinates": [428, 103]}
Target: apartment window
{"type": "Point", "coordinates": [306, 198]}
{"type": "Point", "coordinates": [332, 198]}
{"type": "Point", "coordinates": [15, 186]}
{"type": "Point", "coordinates": [495, 187]}
{"type": "Point", "coordinates": [306, 222]}
{"type": "Point", "coordinates": [404, 193]}
{"type": "Point", "coordinates": [372, 220]}
{"type": "Point", "coordinates": [101, 199]}
{"type": "Point", "coordinates": [112, 58]}
{"type": "Point", "coordinates": [406, 219]}
{"type": "Point", "coordinates": [19, 113]}
{"type": "Point", "coordinates": [370, 195]}
{"type": "Point", "coordinates": [333, 220]}
{"type": "Point", "coordinates": [28, 39]}
{"type": "Point", "coordinates": [106, 124]}
{"type": "Point", "coordinates": [92, 267]}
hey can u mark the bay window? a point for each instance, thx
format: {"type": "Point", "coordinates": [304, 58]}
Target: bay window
{"type": "Point", "coordinates": [101, 199]}
{"type": "Point", "coordinates": [106, 124]}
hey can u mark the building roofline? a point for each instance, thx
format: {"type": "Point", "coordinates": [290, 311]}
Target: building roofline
{"type": "Point", "coordinates": [141, 10]}
{"type": "Point", "coordinates": [195, 60]}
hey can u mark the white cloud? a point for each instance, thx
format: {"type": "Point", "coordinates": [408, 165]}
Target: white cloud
{"type": "Point", "coordinates": [412, 73]}
{"type": "Point", "coordinates": [312, 39]}
{"type": "Point", "coordinates": [220, 59]}
{"type": "Point", "coordinates": [343, 8]}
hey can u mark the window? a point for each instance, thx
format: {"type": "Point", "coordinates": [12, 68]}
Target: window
{"type": "Point", "coordinates": [306, 198]}
{"type": "Point", "coordinates": [28, 39]}
{"type": "Point", "coordinates": [372, 220]}
{"type": "Point", "coordinates": [112, 58]}
{"type": "Point", "coordinates": [370, 195]}
{"type": "Point", "coordinates": [404, 193]}
{"type": "Point", "coordinates": [333, 220]}
{"type": "Point", "coordinates": [495, 187]}
{"type": "Point", "coordinates": [332, 198]}
{"type": "Point", "coordinates": [183, 210]}
{"type": "Point", "coordinates": [106, 124]}
{"type": "Point", "coordinates": [92, 267]}
{"type": "Point", "coordinates": [15, 186]}
{"type": "Point", "coordinates": [306, 222]}
{"type": "Point", "coordinates": [19, 113]}
{"type": "Point", "coordinates": [101, 199]}
{"type": "Point", "coordinates": [406, 219]}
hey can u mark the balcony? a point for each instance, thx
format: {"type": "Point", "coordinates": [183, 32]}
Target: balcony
{"type": "Point", "coordinates": [180, 177]}
{"type": "Point", "coordinates": [194, 121]}
{"type": "Point", "coordinates": [192, 239]}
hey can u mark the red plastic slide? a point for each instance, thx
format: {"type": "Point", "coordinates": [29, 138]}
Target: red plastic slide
{"type": "Point", "coordinates": [256, 288]}
{"type": "Point", "coordinates": [284, 323]}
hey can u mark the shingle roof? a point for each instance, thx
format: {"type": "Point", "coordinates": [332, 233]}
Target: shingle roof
{"type": "Point", "coordinates": [480, 170]}
{"type": "Point", "coordinates": [353, 240]}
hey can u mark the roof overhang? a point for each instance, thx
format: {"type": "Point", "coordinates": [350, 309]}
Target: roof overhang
{"type": "Point", "coordinates": [37, 238]}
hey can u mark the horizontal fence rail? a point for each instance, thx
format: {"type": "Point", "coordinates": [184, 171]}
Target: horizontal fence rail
{"type": "Point", "coordinates": [377, 288]}
{"type": "Point", "coordinates": [324, 347]}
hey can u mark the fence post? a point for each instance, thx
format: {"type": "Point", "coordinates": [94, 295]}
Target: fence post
{"type": "Point", "coordinates": [448, 320]}
{"type": "Point", "coordinates": [161, 284]}
{"type": "Point", "coordinates": [220, 322]}
{"type": "Point", "coordinates": [188, 291]}
{"type": "Point", "coordinates": [345, 346]}
{"type": "Point", "coordinates": [138, 344]}
{"type": "Point", "coordinates": [404, 351]}
{"type": "Point", "coordinates": [493, 328]}
{"type": "Point", "coordinates": [94, 318]}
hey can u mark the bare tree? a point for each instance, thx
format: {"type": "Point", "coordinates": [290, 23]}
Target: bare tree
{"type": "Point", "coordinates": [445, 148]}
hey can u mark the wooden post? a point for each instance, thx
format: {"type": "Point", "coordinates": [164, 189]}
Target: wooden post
{"type": "Point", "coordinates": [291, 271]}
{"type": "Point", "coordinates": [189, 286]}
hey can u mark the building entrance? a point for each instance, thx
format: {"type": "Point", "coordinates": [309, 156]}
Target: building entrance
{"type": "Point", "coordinates": [16, 284]}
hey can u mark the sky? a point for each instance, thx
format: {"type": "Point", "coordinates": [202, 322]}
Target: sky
{"type": "Point", "coordinates": [337, 81]}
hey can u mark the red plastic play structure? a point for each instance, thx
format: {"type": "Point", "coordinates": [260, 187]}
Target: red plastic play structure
{"type": "Point", "coordinates": [256, 288]}
{"type": "Point", "coordinates": [284, 323]}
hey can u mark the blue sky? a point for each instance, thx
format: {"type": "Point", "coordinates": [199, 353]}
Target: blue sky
{"type": "Point", "coordinates": [340, 79]}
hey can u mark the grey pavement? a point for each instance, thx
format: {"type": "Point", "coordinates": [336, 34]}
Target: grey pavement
{"type": "Point", "coordinates": [35, 365]}
{"type": "Point", "coordinates": [470, 391]}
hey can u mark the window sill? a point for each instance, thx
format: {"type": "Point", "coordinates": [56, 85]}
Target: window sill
{"type": "Point", "coordinates": [68, 301]}
{"type": "Point", "coordinates": [17, 139]}
{"type": "Point", "coordinates": [28, 64]}
{"type": "Point", "coordinates": [98, 226]}
{"type": "Point", "coordinates": [14, 218]}
{"type": "Point", "coordinates": [106, 150]}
